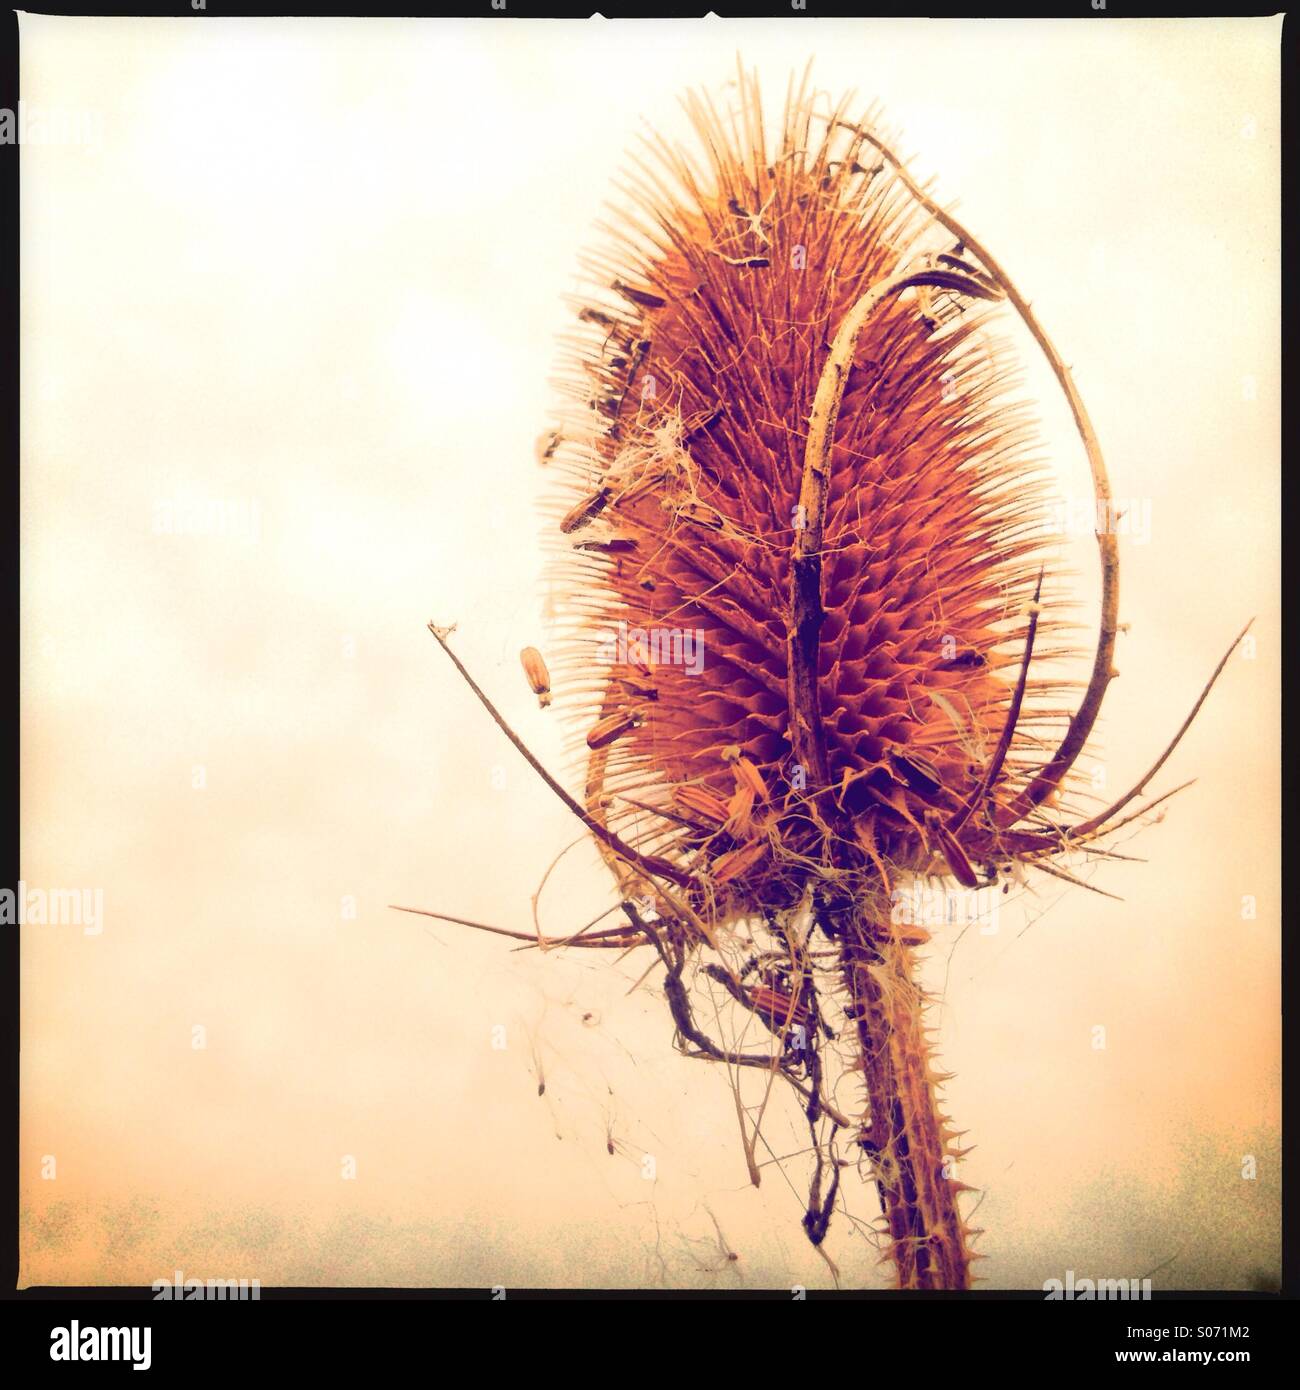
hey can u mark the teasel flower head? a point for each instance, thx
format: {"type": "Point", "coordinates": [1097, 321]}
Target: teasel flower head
{"type": "Point", "coordinates": [703, 340]}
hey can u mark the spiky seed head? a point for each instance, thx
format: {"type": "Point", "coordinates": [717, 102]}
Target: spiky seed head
{"type": "Point", "coordinates": [702, 343]}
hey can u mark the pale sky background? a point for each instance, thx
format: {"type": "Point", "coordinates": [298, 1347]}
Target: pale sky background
{"type": "Point", "coordinates": [311, 271]}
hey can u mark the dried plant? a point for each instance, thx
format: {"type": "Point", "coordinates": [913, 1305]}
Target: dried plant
{"type": "Point", "coordinates": [804, 547]}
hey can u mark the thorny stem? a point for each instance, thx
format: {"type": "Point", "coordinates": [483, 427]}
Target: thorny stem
{"type": "Point", "coordinates": [906, 1137]}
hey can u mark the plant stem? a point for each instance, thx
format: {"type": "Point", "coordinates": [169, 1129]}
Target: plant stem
{"type": "Point", "coordinates": [905, 1134]}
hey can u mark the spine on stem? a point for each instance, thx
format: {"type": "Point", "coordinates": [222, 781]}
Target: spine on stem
{"type": "Point", "coordinates": [903, 1130]}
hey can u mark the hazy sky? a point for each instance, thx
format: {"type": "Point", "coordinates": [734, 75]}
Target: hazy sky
{"type": "Point", "coordinates": [301, 281]}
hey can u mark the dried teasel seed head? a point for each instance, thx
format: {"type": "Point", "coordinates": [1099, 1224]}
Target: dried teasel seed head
{"type": "Point", "coordinates": [706, 340]}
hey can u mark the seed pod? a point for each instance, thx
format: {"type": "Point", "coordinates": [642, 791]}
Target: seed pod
{"type": "Point", "coordinates": [607, 730]}
{"type": "Point", "coordinates": [616, 545]}
{"type": "Point", "coordinates": [737, 861]}
{"type": "Point", "coordinates": [780, 1009]}
{"type": "Point", "coordinates": [701, 803]}
{"type": "Point", "coordinates": [921, 777]}
{"type": "Point", "coordinates": [739, 811]}
{"type": "Point", "coordinates": [583, 512]}
{"type": "Point", "coordinates": [699, 515]}
{"type": "Point", "coordinates": [747, 775]}
{"type": "Point", "coordinates": [637, 487]}
{"type": "Point", "coordinates": [539, 678]}
{"type": "Point", "coordinates": [547, 443]}
{"type": "Point", "coordinates": [639, 688]}
{"type": "Point", "coordinates": [963, 870]}
{"type": "Point", "coordinates": [644, 299]}
{"type": "Point", "coordinates": [967, 659]}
